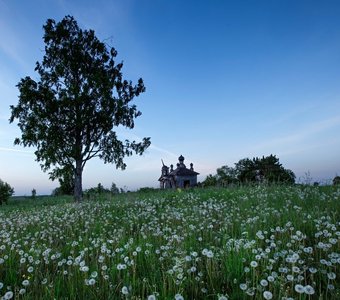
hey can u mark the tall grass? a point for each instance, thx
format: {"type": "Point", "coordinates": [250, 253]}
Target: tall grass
{"type": "Point", "coordinates": [241, 243]}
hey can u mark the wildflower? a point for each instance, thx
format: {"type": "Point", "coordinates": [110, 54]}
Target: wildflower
{"type": "Point", "coordinates": [264, 282]}
{"type": "Point", "coordinates": [25, 282]}
{"type": "Point", "coordinates": [22, 291]}
{"type": "Point", "coordinates": [250, 292]}
{"type": "Point", "coordinates": [30, 269]}
{"type": "Point", "coordinates": [267, 295]}
{"type": "Point", "coordinates": [253, 264]}
{"type": "Point", "coordinates": [331, 275]}
{"type": "Point", "coordinates": [243, 286]}
{"type": "Point", "coordinates": [290, 277]}
{"type": "Point", "coordinates": [179, 297]}
{"type": "Point", "coordinates": [222, 297]}
{"type": "Point", "coordinates": [121, 266]}
{"type": "Point", "coordinates": [104, 267]}
{"type": "Point", "coordinates": [309, 290]}
{"type": "Point", "coordinates": [92, 281]}
{"type": "Point", "coordinates": [8, 295]}
{"type": "Point", "coordinates": [299, 288]}
{"type": "Point", "coordinates": [125, 290]}
{"type": "Point", "coordinates": [296, 269]}
{"type": "Point", "coordinates": [151, 297]}
{"type": "Point", "coordinates": [84, 269]}
{"type": "Point", "coordinates": [1, 285]}
{"type": "Point", "coordinates": [210, 254]}
{"type": "Point", "coordinates": [94, 274]}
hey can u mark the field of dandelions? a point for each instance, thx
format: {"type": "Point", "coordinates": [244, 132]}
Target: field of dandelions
{"type": "Point", "coordinates": [239, 243]}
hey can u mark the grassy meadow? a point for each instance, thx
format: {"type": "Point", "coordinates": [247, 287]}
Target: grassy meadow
{"type": "Point", "coordinates": [238, 243]}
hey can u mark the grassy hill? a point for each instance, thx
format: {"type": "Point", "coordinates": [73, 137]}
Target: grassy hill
{"type": "Point", "coordinates": [240, 243]}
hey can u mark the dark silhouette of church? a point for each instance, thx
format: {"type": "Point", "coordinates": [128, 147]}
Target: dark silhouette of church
{"type": "Point", "coordinates": [181, 177]}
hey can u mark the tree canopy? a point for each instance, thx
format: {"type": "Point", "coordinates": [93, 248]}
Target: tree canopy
{"type": "Point", "coordinates": [71, 112]}
{"type": "Point", "coordinates": [6, 191]}
{"type": "Point", "coordinates": [266, 169]}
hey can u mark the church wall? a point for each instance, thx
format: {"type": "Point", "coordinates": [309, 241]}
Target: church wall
{"type": "Point", "coordinates": [181, 179]}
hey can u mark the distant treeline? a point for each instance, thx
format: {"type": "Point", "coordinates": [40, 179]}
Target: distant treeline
{"type": "Point", "coordinates": [266, 169]}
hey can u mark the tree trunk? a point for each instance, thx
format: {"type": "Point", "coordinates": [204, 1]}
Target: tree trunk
{"type": "Point", "coordinates": [78, 185]}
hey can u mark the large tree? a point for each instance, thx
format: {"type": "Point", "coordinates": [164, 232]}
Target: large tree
{"type": "Point", "coordinates": [226, 175]}
{"type": "Point", "coordinates": [71, 112]}
{"type": "Point", "coordinates": [6, 191]}
{"type": "Point", "coordinates": [266, 168]}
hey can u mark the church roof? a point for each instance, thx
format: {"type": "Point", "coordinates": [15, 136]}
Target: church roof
{"type": "Point", "coordinates": [183, 172]}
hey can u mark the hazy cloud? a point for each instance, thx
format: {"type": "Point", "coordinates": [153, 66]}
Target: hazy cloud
{"type": "Point", "coordinates": [310, 130]}
{"type": "Point", "coordinates": [10, 44]}
{"type": "Point", "coordinates": [5, 149]}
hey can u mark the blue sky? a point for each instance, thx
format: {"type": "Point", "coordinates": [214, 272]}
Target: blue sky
{"type": "Point", "coordinates": [224, 80]}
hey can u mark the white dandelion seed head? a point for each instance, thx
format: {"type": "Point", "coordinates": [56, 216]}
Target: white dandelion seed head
{"type": "Point", "coordinates": [267, 295]}
{"type": "Point", "coordinates": [179, 297]}
{"type": "Point", "coordinates": [264, 282]}
{"type": "Point", "coordinates": [8, 295]}
{"type": "Point", "coordinates": [22, 291]}
{"type": "Point", "coordinates": [331, 275]}
{"type": "Point", "coordinates": [299, 288]}
{"type": "Point", "coordinates": [253, 264]}
{"type": "Point", "coordinates": [30, 269]}
{"type": "Point", "coordinates": [25, 282]}
{"type": "Point", "coordinates": [125, 290]}
{"type": "Point", "coordinates": [309, 290]}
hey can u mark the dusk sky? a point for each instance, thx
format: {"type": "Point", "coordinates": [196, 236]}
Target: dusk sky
{"type": "Point", "coordinates": [225, 80]}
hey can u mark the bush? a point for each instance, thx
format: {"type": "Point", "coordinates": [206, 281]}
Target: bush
{"type": "Point", "coordinates": [336, 180]}
{"type": "Point", "coordinates": [34, 194]}
{"type": "Point", "coordinates": [6, 191]}
{"type": "Point", "coordinates": [146, 190]}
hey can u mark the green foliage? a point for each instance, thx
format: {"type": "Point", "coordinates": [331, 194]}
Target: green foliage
{"type": "Point", "coordinates": [199, 243]}
{"type": "Point", "coordinates": [6, 191]}
{"type": "Point", "coordinates": [336, 180]}
{"type": "Point", "coordinates": [66, 180]}
{"type": "Point", "coordinates": [226, 176]}
{"type": "Point", "coordinates": [34, 194]}
{"type": "Point", "coordinates": [266, 169]}
{"type": "Point", "coordinates": [94, 193]}
{"type": "Point", "coordinates": [144, 190]}
{"type": "Point", "coordinates": [114, 189]}
{"type": "Point", "coordinates": [210, 180]}
{"type": "Point", "coordinates": [70, 113]}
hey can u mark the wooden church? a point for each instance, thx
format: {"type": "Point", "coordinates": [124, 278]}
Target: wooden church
{"type": "Point", "coordinates": [181, 177]}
